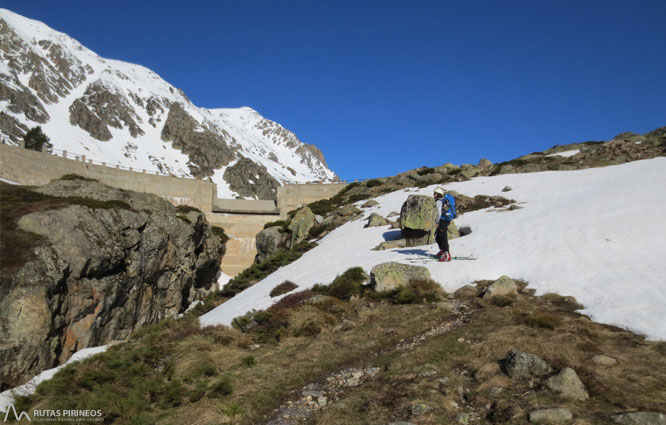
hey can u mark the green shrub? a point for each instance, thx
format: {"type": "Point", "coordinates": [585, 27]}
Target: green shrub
{"type": "Point", "coordinates": [418, 291]}
{"type": "Point", "coordinates": [74, 177]}
{"type": "Point", "coordinates": [281, 223]}
{"type": "Point", "coordinates": [249, 361]}
{"type": "Point", "coordinates": [373, 183]}
{"type": "Point", "coordinates": [221, 388]}
{"type": "Point", "coordinates": [219, 232]}
{"type": "Point", "coordinates": [184, 209]}
{"type": "Point", "coordinates": [425, 170]}
{"type": "Point", "coordinates": [346, 285]}
{"type": "Point", "coordinates": [283, 288]}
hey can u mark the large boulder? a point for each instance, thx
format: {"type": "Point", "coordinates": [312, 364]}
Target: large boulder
{"type": "Point", "coordinates": [418, 220]}
{"type": "Point", "coordinates": [300, 225]}
{"type": "Point", "coordinates": [268, 241]}
{"type": "Point", "coordinates": [392, 275]}
{"type": "Point", "coordinates": [107, 263]}
{"type": "Point", "coordinates": [568, 385]}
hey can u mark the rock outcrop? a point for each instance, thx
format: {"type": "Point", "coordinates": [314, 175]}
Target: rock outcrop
{"type": "Point", "coordinates": [300, 225]}
{"type": "Point", "coordinates": [251, 180]}
{"type": "Point", "coordinates": [110, 262]}
{"type": "Point", "coordinates": [207, 150]}
{"type": "Point", "coordinates": [268, 241]}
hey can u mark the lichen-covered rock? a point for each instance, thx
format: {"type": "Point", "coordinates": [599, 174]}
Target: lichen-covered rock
{"type": "Point", "coordinates": [501, 287]}
{"type": "Point", "coordinates": [376, 220]}
{"type": "Point", "coordinates": [300, 225]}
{"type": "Point", "coordinates": [398, 243]}
{"type": "Point", "coordinates": [418, 220]}
{"type": "Point", "coordinates": [251, 180]}
{"type": "Point", "coordinates": [391, 275]}
{"type": "Point", "coordinates": [268, 241]}
{"type": "Point", "coordinates": [520, 365]}
{"type": "Point", "coordinates": [568, 385]}
{"type": "Point", "coordinates": [641, 418]}
{"type": "Point", "coordinates": [101, 273]}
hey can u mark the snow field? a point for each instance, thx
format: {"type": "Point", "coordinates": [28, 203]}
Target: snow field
{"type": "Point", "coordinates": [597, 234]}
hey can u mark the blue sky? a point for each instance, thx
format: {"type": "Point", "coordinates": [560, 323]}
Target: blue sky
{"type": "Point", "coordinates": [386, 86]}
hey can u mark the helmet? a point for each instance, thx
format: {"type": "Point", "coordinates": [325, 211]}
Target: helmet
{"type": "Point", "coordinates": [439, 191]}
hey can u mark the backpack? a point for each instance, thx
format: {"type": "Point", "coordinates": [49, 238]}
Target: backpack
{"type": "Point", "coordinates": [449, 207]}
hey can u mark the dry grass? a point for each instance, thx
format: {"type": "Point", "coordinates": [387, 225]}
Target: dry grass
{"type": "Point", "coordinates": [203, 376]}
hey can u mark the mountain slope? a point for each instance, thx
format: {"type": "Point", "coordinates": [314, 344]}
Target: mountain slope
{"type": "Point", "coordinates": [121, 113]}
{"type": "Point", "coordinates": [596, 234]}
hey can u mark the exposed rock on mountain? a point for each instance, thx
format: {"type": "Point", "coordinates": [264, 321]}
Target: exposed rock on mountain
{"type": "Point", "coordinates": [111, 262]}
{"type": "Point", "coordinates": [251, 180]}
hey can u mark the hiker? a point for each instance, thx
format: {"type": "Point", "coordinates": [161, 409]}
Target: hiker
{"type": "Point", "coordinates": [446, 211]}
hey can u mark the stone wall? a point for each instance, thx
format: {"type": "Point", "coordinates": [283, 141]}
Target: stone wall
{"type": "Point", "coordinates": [292, 196]}
{"type": "Point", "coordinates": [29, 167]}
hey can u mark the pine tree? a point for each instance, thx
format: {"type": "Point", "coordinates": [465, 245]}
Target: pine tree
{"type": "Point", "coordinates": [35, 139]}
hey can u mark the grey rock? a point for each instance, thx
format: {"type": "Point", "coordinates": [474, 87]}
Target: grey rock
{"type": "Point", "coordinates": [641, 418]}
{"type": "Point", "coordinates": [268, 241]}
{"type": "Point", "coordinates": [398, 243]}
{"type": "Point", "coordinates": [603, 360]}
{"type": "Point", "coordinates": [418, 217]}
{"type": "Point", "coordinates": [507, 189]}
{"type": "Point", "coordinates": [207, 149]}
{"type": "Point", "coordinates": [101, 274]}
{"type": "Point", "coordinates": [501, 287]}
{"type": "Point", "coordinates": [100, 108]}
{"type": "Point", "coordinates": [520, 365]}
{"type": "Point", "coordinates": [419, 409]}
{"type": "Point", "coordinates": [467, 292]}
{"type": "Point", "coordinates": [391, 275]}
{"type": "Point", "coordinates": [348, 211]}
{"type": "Point", "coordinates": [251, 180]}
{"type": "Point", "coordinates": [485, 163]}
{"type": "Point", "coordinates": [557, 415]}
{"type": "Point", "coordinates": [568, 385]}
{"type": "Point", "coordinates": [300, 225]}
{"type": "Point", "coordinates": [370, 203]}
{"type": "Point", "coordinates": [376, 220]}
{"type": "Point", "coordinates": [464, 418]}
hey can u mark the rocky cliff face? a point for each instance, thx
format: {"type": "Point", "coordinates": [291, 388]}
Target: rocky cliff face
{"type": "Point", "coordinates": [100, 274]}
{"type": "Point", "coordinates": [81, 99]}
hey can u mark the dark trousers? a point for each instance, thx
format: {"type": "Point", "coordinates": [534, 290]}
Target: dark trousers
{"type": "Point", "coordinates": [441, 236]}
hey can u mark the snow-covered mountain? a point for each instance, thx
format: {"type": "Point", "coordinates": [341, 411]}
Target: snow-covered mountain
{"type": "Point", "coordinates": [122, 113]}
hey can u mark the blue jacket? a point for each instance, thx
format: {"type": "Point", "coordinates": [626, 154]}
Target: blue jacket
{"type": "Point", "coordinates": [446, 208]}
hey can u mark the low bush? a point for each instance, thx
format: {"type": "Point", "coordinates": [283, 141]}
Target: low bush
{"type": "Point", "coordinates": [542, 320]}
{"type": "Point", "coordinates": [281, 223]}
{"type": "Point", "coordinates": [221, 388]}
{"type": "Point", "coordinates": [425, 170]}
{"type": "Point", "coordinates": [283, 288]}
{"type": "Point", "coordinates": [418, 291]}
{"type": "Point", "coordinates": [184, 209]}
{"type": "Point", "coordinates": [219, 232]}
{"type": "Point", "coordinates": [76, 177]}
{"type": "Point", "coordinates": [346, 285]}
{"type": "Point", "coordinates": [373, 183]}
